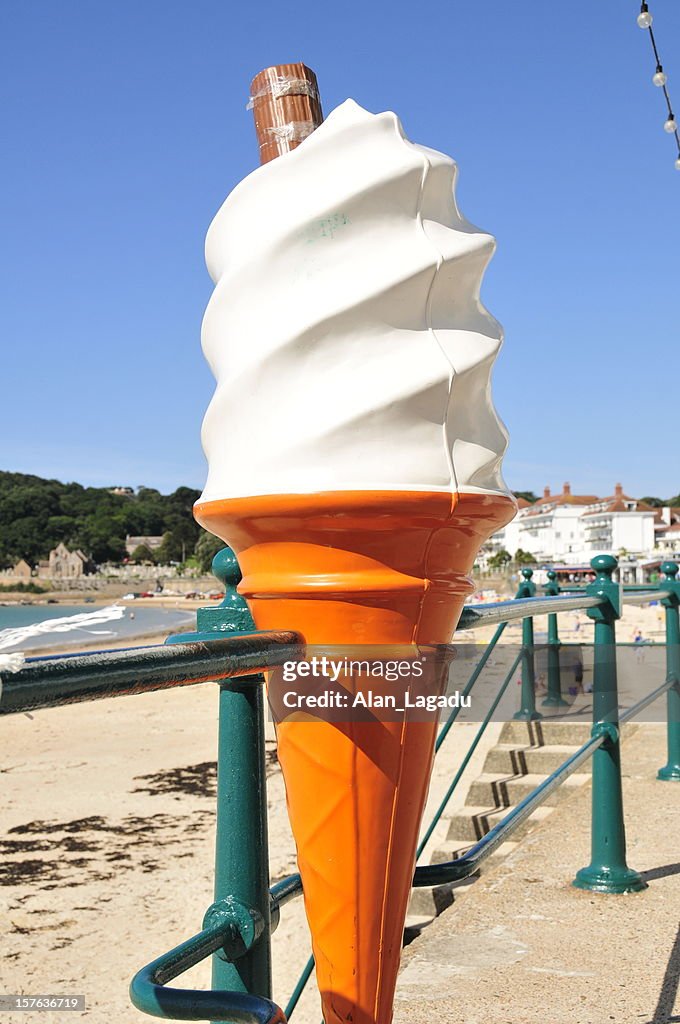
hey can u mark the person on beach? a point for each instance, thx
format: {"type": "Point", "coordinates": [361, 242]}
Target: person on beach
{"type": "Point", "coordinates": [639, 641]}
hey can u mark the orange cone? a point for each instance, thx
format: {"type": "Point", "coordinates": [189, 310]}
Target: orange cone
{"type": "Point", "coordinates": [344, 568]}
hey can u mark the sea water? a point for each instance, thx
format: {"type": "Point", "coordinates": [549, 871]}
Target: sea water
{"type": "Point", "coordinates": [31, 627]}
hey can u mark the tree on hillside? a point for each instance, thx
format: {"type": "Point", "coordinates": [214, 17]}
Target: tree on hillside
{"type": "Point", "coordinates": [142, 553]}
{"type": "Point", "coordinates": [184, 498]}
{"type": "Point", "coordinates": [524, 557]}
{"type": "Point", "coordinates": [500, 559]}
{"type": "Point", "coordinates": [654, 502]}
{"type": "Point", "coordinates": [148, 494]}
{"type": "Point", "coordinates": [61, 528]}
{"type": "Point", "coordinates": [102, 545]}
{"type": "Point", "coordinates": [19, 538]}
{"type": "Point", "coordinates": [36, 514]}
{"type": "Point", "coordinates": [207, 547]}
{"type": "Point", "coordinates": [527, 495]}
{"type": "Point", "coordinates": [171, 550]}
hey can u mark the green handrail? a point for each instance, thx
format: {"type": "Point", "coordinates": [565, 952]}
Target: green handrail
{"type": "Point", "coordinates": [150, 994]}
{"type": "Point", "coordinates": [300, 986]}
{"type": "Point", "coordinates": [671, 770]}
{"type": "Point", "coordinates": [553, 698]}
{"type": "Point", "coordinates": [527, 711]}
{"type": "Point", "coordinates": [463, 867]}
{"type": "Point", "coordinates": [474, 616]}
{"type": "Point", "coordinates": [446, 728]}
{"type": "Point", "coordinates": [53, 682]}
{"type": "Point", "coordinates": [608, 870]}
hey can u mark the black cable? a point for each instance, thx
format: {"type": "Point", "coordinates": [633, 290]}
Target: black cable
{"type": "Point", "coordinates": [656, 52]}
{"type": "Point", "coordinates": [644, 9]}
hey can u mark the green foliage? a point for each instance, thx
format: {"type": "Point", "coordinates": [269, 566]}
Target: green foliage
{"type": "Point", "coordinates": [171, 550]}
{"type": "Point", "coordinates": [207, 547]}
{"type": "Point", "coordinates": [500, 559]}
{"type": "Point", "coordinates": [524, 557]}
{"type": "Point", "coordinates": [23, 588]}
{"type": "Point", "coordinates": [527, 495]}
{"type": "Point", "coordinates": [142, 553]}
{"type": "Point", "coordinates": [654, 502]}
{"type": "Point", "coordinates": [36, 514]}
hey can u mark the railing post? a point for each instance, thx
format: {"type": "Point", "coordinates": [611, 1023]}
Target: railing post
{"type": "Point", "coordinates": [671, 770]}
{"type": "Point", "coordinates": [241, 849]}
{"type": "Point", "coordinates": [607, 871]}
{"type": "Point", "coordinates": [527, 711]}
{"type": "Point", "coordinates": [554, 698]}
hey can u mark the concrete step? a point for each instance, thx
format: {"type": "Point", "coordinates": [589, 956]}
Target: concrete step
{"type": "Point", "coordinates": [452, 850]}
{"type": "Point", "coordinates": [428, 902]}
{"type": "Point", "coordinates": [508, 759]}
{"type": "Point", "coordinates": [497, 790]}
{"type": "Point", "coordinates": [527, 753]}
{"type": "Point", "coordinates": [538, 734]}
{"type": "Point", "coordinates": [471, 823]}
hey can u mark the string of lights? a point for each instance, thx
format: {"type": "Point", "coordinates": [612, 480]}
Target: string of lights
{"type": "Point", "coordinates": [659, 78]}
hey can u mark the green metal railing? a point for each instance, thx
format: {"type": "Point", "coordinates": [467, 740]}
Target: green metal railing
{"type": "Point", "coordinates": [228, 650]}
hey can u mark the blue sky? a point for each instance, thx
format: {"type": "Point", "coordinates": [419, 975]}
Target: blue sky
{"type": "Point", "coordinates": [124, 127]}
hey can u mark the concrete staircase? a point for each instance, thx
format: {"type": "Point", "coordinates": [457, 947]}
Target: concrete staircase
{"type": "Point", "coordinates": [525, 755]}
{"type": "Point", "coordinates": [528, 947]}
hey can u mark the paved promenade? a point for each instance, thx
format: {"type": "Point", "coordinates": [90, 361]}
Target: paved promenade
{"type": "Point", "coordinates": [525, 947]}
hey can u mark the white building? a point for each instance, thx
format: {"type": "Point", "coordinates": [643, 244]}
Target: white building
{"type": "Point", "coordinates": [550, 529]}
{"type": "Point", "coordinates": [569, 529]}
{"type": "Point", "coordinates": [667, 532]}
{"type": "Point", "coordinates": [619, 524]}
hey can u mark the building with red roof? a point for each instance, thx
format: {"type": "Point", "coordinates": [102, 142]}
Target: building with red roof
{"type": "Point", "coordinates": [569, 529]}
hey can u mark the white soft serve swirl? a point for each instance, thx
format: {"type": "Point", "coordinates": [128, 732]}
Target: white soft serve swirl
{"type": "Point", "coordinates": [346, 333]}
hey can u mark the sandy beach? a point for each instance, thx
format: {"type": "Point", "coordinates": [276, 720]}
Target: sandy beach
{"type": "Point", "coordinates": [107, 814]}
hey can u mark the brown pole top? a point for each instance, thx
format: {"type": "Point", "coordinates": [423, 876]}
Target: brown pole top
{"type": "Point", "coordinates": [286, 106]}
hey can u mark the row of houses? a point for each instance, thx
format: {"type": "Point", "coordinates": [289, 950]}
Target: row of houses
{"type": "Point", "coordinates": [64, 564]}
{"type": "Point", "coordinates": [569, 529]}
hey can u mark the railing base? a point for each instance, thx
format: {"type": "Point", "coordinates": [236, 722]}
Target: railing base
{"type": "Point", "coordinates": [616, 881]}
{"type": "Point", "coordinates": [527, 716]}
{"type": "Point", "coordinates": [669, 773]}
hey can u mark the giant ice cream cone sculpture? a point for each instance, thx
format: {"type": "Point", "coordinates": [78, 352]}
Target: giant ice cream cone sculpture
{"type": "Point", "coordinates": [354, 468]}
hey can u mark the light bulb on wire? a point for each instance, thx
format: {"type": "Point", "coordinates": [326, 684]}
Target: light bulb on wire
{"type": "Point", "coordinates": [644, 18]}
{"type": "Point", "coordinates": [660, 78]}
